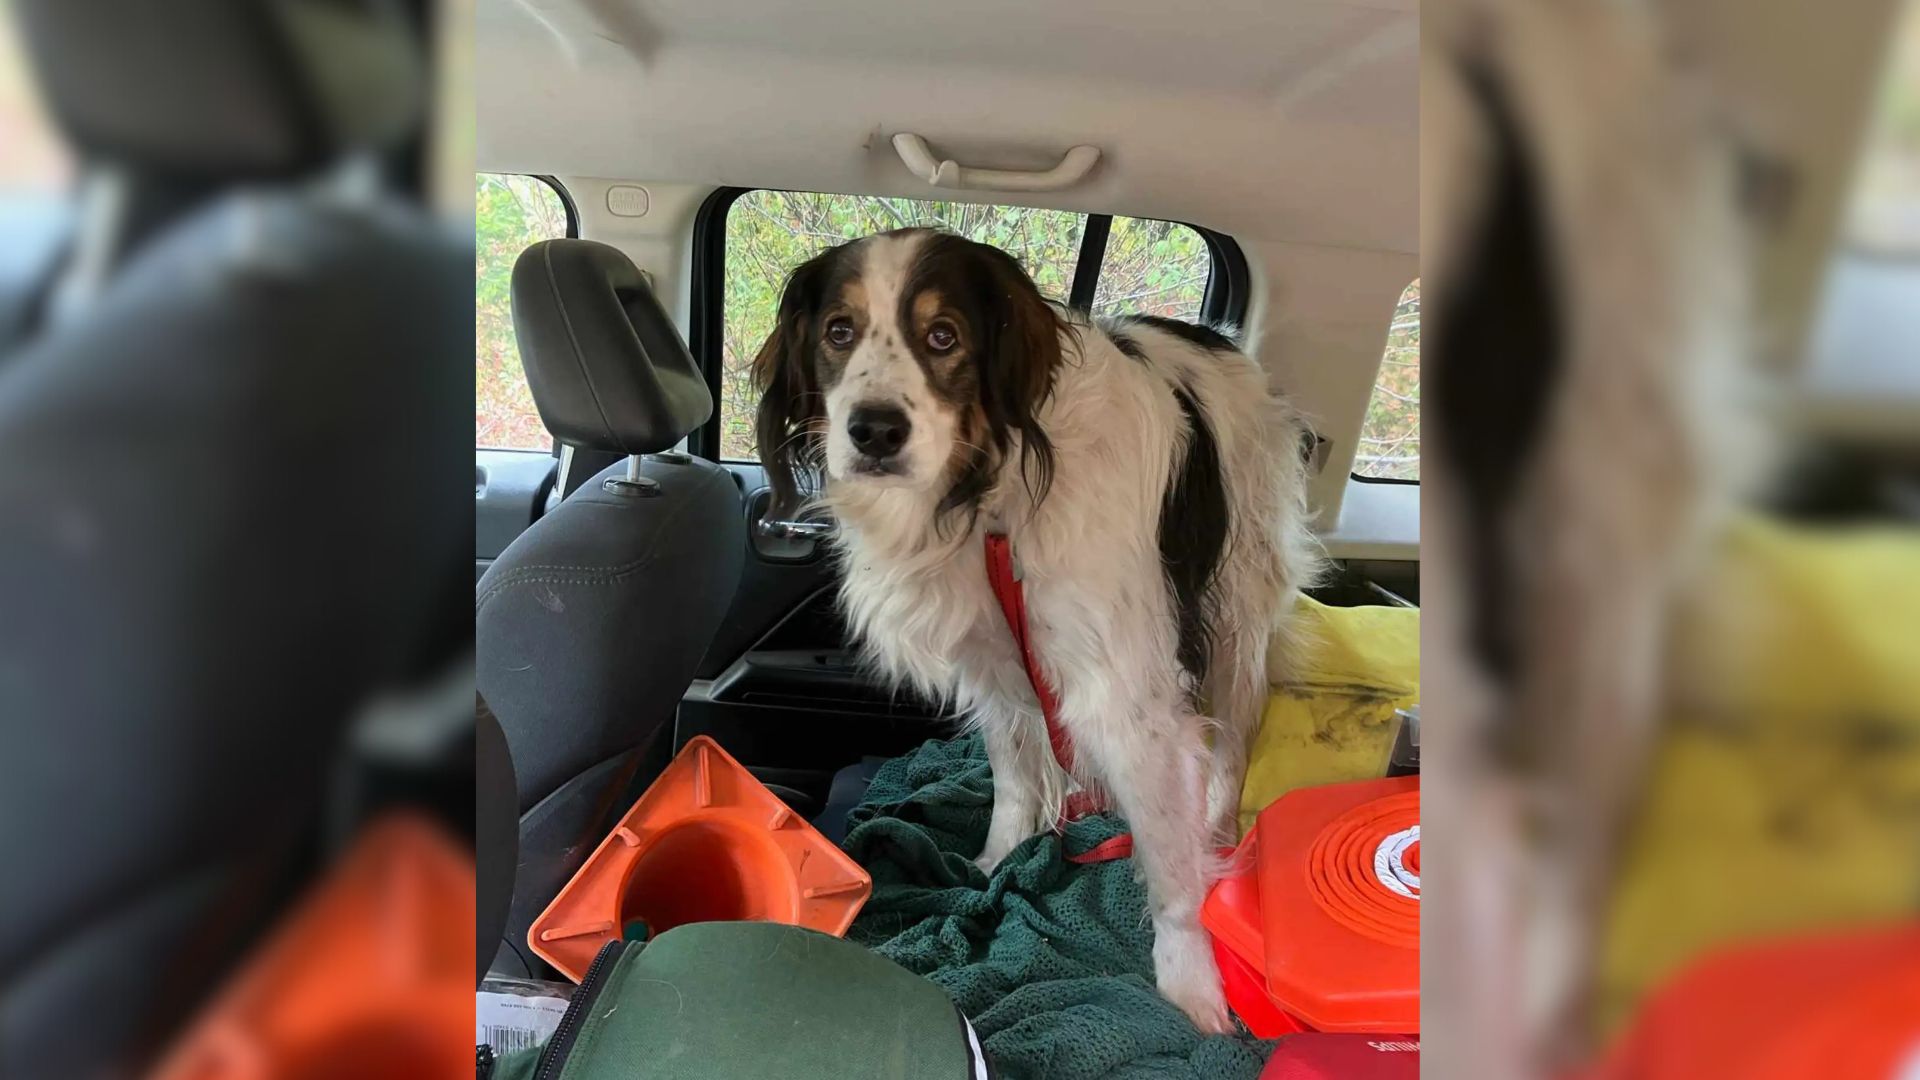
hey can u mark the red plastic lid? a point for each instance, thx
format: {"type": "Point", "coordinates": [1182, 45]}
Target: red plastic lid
{"type": "Point", "coordinates": [1246, 991]}
{"type": "Point", "coordinates": [1231, 915]}
{"type": "Point", "coordinates": [1339, 885]}
{"type": "Point", "coordinates": [1841, 1007]}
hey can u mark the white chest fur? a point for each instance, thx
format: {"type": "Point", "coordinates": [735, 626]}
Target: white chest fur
{"type": "Point", "coordinates": [1098, 614]}
{"type": "Point", "coordinates": [927, 617]}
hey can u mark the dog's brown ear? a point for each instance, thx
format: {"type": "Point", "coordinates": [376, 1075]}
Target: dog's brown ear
{"type": "Point", "coordinates": [789, 424]}
{"type": "Point", "coordinates": [1020, 355]}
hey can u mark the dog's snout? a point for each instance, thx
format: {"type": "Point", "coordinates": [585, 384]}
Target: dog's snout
{"type": "Point", "coordinates": [878, 431]}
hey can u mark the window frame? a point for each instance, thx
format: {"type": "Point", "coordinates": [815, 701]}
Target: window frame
{"type": "Point", "coordinates": [1382, 479]}
{"type": "Point", "coordinates": [573, 233]}
{"type": "Point", "coordinates": [1225, 301]}
{"type": "Point", "coordinates": [1354, 474]}
{"type": "Point", "coordinates": [566, 201]}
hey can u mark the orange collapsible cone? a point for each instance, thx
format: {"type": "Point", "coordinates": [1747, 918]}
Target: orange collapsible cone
{"type": "Point", "coordinates": [371, 976]}
{"type": "Point", "coordinates": [1339, 873]}
{"type": "Point", "coordinates": [706, 843]}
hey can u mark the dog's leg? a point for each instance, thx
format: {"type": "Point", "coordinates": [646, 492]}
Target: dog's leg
{"type": "Point", "coordinates": [1155, 773]}
{"type": "Point", "coordinates": [1017, 750]}
{"type": "Point", "coordinates": [1027, 786]}
{"type": "Point", "coordinates": [1238, 697]}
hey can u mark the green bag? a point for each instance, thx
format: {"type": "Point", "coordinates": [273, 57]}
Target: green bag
{"type": "Point", "coordinates": [716, 1000]}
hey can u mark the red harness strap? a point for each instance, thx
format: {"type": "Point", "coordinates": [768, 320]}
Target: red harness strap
{"type": "Point", "coordinates": [1013, 604]}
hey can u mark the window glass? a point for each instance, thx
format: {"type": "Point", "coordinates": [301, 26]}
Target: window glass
{"type": "Point", "coordinates": [510, 213]}
{"type": "Point", "coordinates": [1153, 268]}
{"type": "Point", "coordinates": [1390, 438]}
{"type": "Point", "coordinates": [1885, 215]}
{"type": "Point", "coordinates": [35, 160]}
{"type": "Point", "coordinates": [771, 232]}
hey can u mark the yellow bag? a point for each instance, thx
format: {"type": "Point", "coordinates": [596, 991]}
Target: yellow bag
{"type": "Point", "coordinates": [1786, 791]}
{"type": "Point", "coordinates": [1785, 794]}
{"type": "Point", "coordinates": [1334, 720]}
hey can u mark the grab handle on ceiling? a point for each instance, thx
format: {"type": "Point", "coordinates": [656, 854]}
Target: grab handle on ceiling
{"type": "Point", "coordinates": [919, 159]}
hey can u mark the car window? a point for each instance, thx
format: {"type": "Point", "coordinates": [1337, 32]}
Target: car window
{"type": "Point", "coordinates": [1390, 437]}
{"type": "Point", "coordinates": [1153, 268]}
{"type": "Point", "coordinates": [36, 160]}
{"type": "Point", "coordinates": [510, 213]}
{"type": "Point", "coordinates": [771, 232]}
{"type": "Point", "coordinates": [1140, 267]}
{"type": "Point", "coordinates": [1885, 214]}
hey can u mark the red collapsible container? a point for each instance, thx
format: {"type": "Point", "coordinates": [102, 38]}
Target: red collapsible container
{"type": "Point", "coordinates": [1338, 872]}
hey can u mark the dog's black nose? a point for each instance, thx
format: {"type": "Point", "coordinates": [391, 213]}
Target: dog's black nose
{"type": "Point", "coordinates": [878, 431]}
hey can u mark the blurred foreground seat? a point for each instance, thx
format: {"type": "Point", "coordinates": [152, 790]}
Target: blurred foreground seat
{"type": "Point", "coordinates": [231, 505]}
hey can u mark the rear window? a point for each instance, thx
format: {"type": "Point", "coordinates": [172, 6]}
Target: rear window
{"type": "Point", "coordinates": [1390, 437]}
{"type": "Point", "coordinates": [1153, 268]}
{"type": "Point", "coordinates": [1884, 217]}
{"type": "Point", "coordinates": [1137, 266]}
{"type": "Point", "coordinates": [36, 160]}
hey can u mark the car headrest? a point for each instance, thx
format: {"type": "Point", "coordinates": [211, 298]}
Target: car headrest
{"type": "Point", "coordinates": [227, 89]}
{"type": "Point", "coordinates": [606, 365]}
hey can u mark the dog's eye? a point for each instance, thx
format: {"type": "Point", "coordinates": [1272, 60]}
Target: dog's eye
{"type": "Point", "coordinates": [940, 338]}
{"type": "Point", "coordinates": [840, 333]}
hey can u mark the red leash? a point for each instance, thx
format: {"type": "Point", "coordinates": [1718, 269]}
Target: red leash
{"type": "Point", "coordinates": [1013, 604]}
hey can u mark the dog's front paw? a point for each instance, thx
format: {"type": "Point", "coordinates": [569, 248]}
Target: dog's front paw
{"type": "Point", "coordinates": [1184, 968]}
{"type": "Point", "coordinates": [992, 856]}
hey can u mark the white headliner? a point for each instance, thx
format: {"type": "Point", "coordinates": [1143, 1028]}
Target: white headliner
{"type": "Point", "coordinates": [1276, 119]}
{"type": "Point", "coordinates": [1292, 126]}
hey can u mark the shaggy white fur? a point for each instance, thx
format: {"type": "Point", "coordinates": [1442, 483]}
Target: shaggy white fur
{"type": "Point", "coordinates": [1635, 460]}
{"type": "Point", "coordinates": [1101, 616]}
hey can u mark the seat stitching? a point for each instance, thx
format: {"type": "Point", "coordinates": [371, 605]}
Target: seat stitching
{"type": "Point", "coordinates": [614, 573]}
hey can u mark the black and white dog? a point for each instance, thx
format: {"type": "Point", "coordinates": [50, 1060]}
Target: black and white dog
{"type": "Point", "coordinates": [1153, 493]}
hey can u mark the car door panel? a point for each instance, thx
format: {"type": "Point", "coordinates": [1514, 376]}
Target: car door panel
{"type": "Point", "coordinates": [509, 487]}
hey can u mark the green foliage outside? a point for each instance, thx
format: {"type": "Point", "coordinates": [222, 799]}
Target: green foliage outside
{"type": "Point", "coordinates": [1151, 267]}
{"type": "Point", "coordinates": [1886, 204]}
{"type": "Point", "coordinates": [509, 214]}
{"type": "Point", "coordinates": [1390, 437]}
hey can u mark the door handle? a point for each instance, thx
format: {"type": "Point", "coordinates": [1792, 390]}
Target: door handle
{"type": "Point", "coordinates": [796, 530]}
{"type": "Point", "coordinates": [787, 540]}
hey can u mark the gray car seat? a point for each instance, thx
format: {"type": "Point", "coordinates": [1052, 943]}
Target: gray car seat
{"type": "Point", "coordinates": [232, 485]}
{"type": "Point", "coordinates": [590, 625]}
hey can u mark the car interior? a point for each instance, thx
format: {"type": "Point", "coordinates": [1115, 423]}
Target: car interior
{"type": "Point", "coordinates": [662, 173]}
{"type": "Point", "coordinates": [647, 173]}
{"type": "Point", "coordinates": [630, 596]}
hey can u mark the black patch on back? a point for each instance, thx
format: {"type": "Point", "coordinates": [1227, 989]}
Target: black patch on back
{"type": "Point", "coordinates": [1127, 345]}
{"type": "Point", "coordinates": [1499, 335]}
{"type": "Point", "coordinates": [1193, 537]}
{"type": "Point", "coordinates": [1193, 334]}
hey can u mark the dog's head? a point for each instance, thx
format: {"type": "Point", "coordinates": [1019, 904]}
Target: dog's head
{"type": "Point", "coordinates": [910, 359]}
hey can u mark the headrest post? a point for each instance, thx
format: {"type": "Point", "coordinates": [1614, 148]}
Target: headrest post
{"type": "Point", "coordinates": [100, 236]}
{"type": "Point", "coordinates": [632, 485]}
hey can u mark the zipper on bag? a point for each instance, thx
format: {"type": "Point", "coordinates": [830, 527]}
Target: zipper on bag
{"type": "Point", "coordinates": [554, 1057]}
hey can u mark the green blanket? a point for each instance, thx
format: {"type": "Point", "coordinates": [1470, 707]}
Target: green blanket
{"type": "Point", "coordinates": [1052, 961]}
